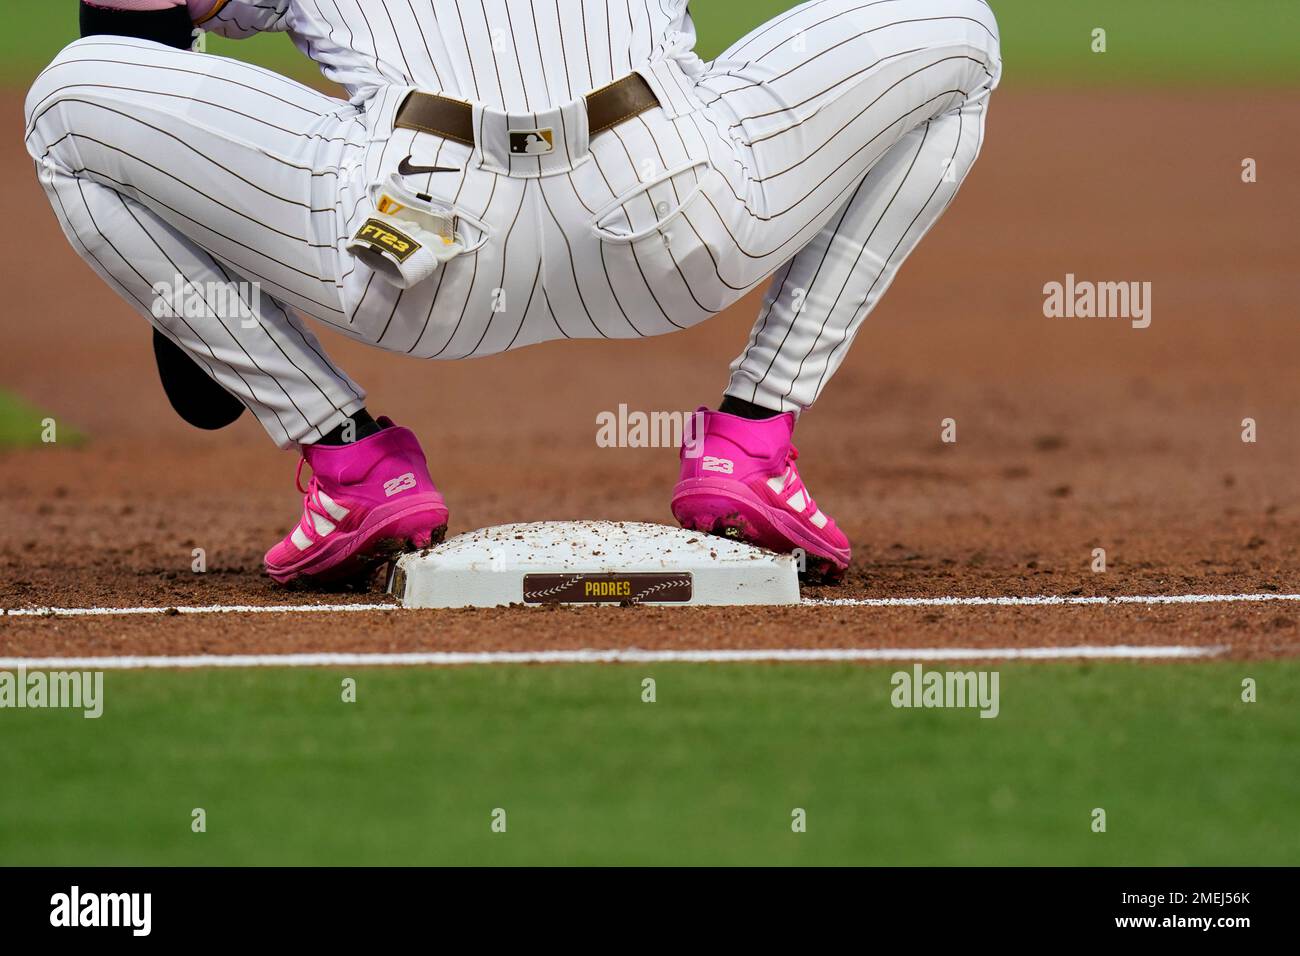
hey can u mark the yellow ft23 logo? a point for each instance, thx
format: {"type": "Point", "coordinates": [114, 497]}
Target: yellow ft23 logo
{"type": "Point", "coordinates": [388, 239]}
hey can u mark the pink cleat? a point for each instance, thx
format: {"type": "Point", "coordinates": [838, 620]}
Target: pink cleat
{"type": "Point", "coordinates": [366, 501]}
{"type": "Point", "coordinates": [739, 480]}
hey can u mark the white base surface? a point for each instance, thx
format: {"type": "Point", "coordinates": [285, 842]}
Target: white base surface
{"type": "Point", "coordinates": [636, 563]}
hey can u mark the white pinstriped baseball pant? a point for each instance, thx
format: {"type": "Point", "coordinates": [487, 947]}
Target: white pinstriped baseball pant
{"type": "Point", "coordinates": [818, 150]}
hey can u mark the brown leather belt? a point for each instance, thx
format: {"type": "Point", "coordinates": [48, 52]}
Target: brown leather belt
{"type": "Point", "coordinates": [454, 119]}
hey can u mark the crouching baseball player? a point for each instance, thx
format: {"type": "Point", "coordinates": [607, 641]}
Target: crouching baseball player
{"type": "Point", "coordinates": [507, 172]}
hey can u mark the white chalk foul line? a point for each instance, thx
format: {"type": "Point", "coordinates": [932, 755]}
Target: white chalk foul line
{"type": "Point", "coordinates": [1042, 600]}
{"type": "Point", "coordinates": [200, 609]}
{"type": "Point", "coordinates": [1050, 600]}
{"type": "Point", "coordinates": [623, 656]}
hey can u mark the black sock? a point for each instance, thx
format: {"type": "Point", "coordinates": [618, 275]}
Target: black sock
{"type": "Point", "coordinates": [171, 27]}
{"type": "Point", "coordinates": [360, 426]}
{"type": "Point", "coordinates": [743, 409]}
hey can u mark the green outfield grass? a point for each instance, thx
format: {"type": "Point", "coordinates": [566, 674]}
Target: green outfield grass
{"type": "Point", "coordinates": [587, 773]}
{"type": "Point", "coordinates": [1165, 42]}
{"type": "Point", "coordinates": [21, 425]}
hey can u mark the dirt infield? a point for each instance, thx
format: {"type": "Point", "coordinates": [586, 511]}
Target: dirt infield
{"type": "Point", "coordinates": [1072, 434]}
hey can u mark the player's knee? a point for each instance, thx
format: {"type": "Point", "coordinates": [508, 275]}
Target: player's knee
{"type": "Point", "coordinates": [57, 83]}
{"type": "Point", "coordinates": [60, 79]}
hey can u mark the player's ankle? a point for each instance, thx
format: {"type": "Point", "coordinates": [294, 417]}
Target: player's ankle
{"type": "Point", "coordinates": [360, 425]}
{"type": "Point", "coordinates": [743, 409]}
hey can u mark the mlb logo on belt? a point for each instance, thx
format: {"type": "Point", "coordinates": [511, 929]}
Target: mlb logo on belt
{"type": "Point", "coordinates": [532, 142]}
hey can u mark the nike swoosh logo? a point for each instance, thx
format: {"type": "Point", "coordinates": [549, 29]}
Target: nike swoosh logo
{"type": "Point", "coordinates": [404, 168]}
